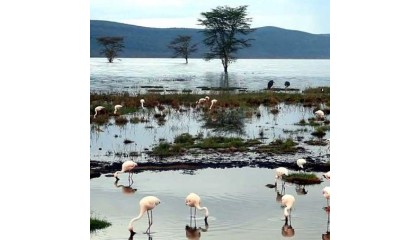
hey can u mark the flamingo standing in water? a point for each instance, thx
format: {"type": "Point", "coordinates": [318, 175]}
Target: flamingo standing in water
{"type": "Point", "coordinates": [326, 175]}
{"type": "Point", "coordinates": [146, 204]}
{"type": "Point", "coordinates": [287, 201]}
{"type": "Point", "coordinates": [117, 108]}
{"type": "Point", "coordinates": [280, 172]}
{"type": "Point", "coordinates": [98, 109]}
{"type": "Point", "coordinates": [214, 101]}
{"type": "Point", "coordinates": [326, 193]}
{"type": "Point", "coordinates": [142, 103]}
{"type": "Point", "coordinates": [194, 201]}
{"type": "Point", "coordinates": [127, 166]}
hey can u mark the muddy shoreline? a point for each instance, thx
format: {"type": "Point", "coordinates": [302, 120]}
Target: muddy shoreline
{"type": "Point", "coordinates": [314, 164]}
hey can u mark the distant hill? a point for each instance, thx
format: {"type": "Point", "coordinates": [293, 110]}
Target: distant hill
{"type": "Point", "coordinates": [270, 42]}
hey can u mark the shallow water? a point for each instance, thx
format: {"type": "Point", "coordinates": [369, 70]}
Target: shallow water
{"type": "Point", "coordinates": [107, 142]}
{"type": "Point", "coordinates": [130, 74]}
{"type": "Point", "coordinates": [240, 206]}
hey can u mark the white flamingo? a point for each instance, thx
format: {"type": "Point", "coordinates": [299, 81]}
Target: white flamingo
{"type": "Point", "coordinates": [300, 162]}
{"type": "Point", "coordinates": [280, 172]}
{"type": "Point", "coordinates": [98, 109]}
{"type": "Point", "coordinates": [214, 101]}
{"type": "Point", "coordinates": [319, 114]}
{"type": "Point", "coordinates": [142, 103]}
{"type": "Point", "coordinates": [127, 166]}
{"type": "Point", "coordinates": [194, 201]}
{"type": "Point", "coordinates": [146, 204]}
{"type": "Point", "coordinates": [326, 175]}
{"type": "Point", "coordinates": [117, 108]}
{"type": "Point", "coordinates": [287, 201]}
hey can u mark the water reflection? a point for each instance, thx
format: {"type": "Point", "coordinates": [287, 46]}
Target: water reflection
{"type": "Point", "coordinates": [194, 233]}
{"type": "Point", "coordinates": [287, 230]}
{"type": "Point", "coordinates": [326, 235]}
{"type": "Point", "coordinates": [126, 189]}
{"type": "Point", "coordinates": [300, 190]}
{"type": "Point", "coordinates": [149, 237]}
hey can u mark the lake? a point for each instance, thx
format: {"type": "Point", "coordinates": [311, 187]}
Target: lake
{"type": "Point", "coordinates": [133, 74]}
{"type": "Point", "coordinates": [240, 205]}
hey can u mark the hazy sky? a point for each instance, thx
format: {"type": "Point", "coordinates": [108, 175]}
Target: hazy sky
{"type": "Point", "coordinates": [305, 15]}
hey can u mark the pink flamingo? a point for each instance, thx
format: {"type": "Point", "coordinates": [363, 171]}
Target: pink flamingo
{"type": "Point", "coordinates": [326, 175]}
{"type": "Point", "coordinates": [326, 193]}
{"type": "Point", "coordinates": [127, 166]}
{"type": "Point", "coordinates": [117, 108]}
{"type": "Point", "coordinates": [146, 204]}
{"type": "Point", "coordinates": [300, 162]}
{"type": "Point", "coordinates": [194, 201]}
{"type": "Point", "coordinates": [288, 201]}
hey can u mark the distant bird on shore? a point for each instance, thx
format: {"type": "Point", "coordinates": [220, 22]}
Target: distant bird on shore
{"type": "Point", "coordinates": [214, 101]}
{"type": "Point", "coordinates": [326, 193]}
{"type": "Point", "coordinates": [194, 201]}
{"type": "Point", "coordinates": [127, 166]}
{"type": "Point", "coordinates": [287, 201]}
{"type": "Point", "coordinates": [201, 101]}
{"type": "Point", "coordinates": [142, 103]}
{"type": "Point", "coordinates": [300, 162]}
{"type": "Point", "coordinates": [319, 114]}
{"type": "Point", "coordinates": [117, 108]}
{"type": "Point", "coordinates": [270, 84]}
{"type": "Point", "coordinates": [98, 109]}
{"type": "Point", "coordinates": [146, 204]}
{"type": "Point", "coordinates": [286, 84]}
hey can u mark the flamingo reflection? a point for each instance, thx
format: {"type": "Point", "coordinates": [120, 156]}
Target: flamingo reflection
{"type": "Point", "coordinates": [300, 190]}
{"type": "Point", "coordinates": [287, 230]}
{"type": "Point", "coordinates": [194, 233]}
{"type": "Point", "coordinates": [126, 189]}
{"type": "Point", "coordinates": [326, 235]}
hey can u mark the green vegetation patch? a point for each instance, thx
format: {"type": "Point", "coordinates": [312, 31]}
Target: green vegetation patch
{"type": "Point", "coordinates": [96, 223]}
{"type": "Point", "coordinates": [279, 146]}
{"type": "Point", "coordinates": [302, 178]}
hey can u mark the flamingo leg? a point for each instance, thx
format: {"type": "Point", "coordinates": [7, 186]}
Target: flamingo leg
{"type": "Point", "coordinates": [150, 221]}
{"type": "Point", "coordinates": [195, 212]}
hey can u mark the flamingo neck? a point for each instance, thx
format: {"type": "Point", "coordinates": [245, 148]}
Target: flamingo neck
{"type": "Point", "coordinates": [117, 172]}
{"type": "Point", "coordinates": [130, 225]}
{"type": "Point", "coordinates": [202, 208]}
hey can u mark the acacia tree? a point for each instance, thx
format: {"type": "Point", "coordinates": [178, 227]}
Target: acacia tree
{"type": "Point", "coordinates": [111, 46]}
{"type": "Point", "coordinates": [182, 46]}
{"type": "Point", "coordinates": [224, 30]}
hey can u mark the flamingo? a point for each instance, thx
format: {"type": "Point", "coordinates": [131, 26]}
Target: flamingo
{"type": "Point", "coordinates": [326, 175]}
{"type": "Point", "coordinates": [286, 84]}
{"type": "Point", "coordinates": [127, 166]}
{"type": "Point", "coordinates": [201, 101]}
{"type": "Point", "coordinates": [194, 201]}
{"type": "Point", "coordinates": [300, 162]}
{"type": "Point", "coordinates": [288, 201]}
{"type": "Point", "coordinates": [280, 172]}
{"type": "Point", "coordinates": [270, 84]}
{"type": "Point", "coordinates": [142, 103]}
{"type": "Point", "coordinates": [117, 108]}
{"type": "Point", "coordinates": [326, 193]}
{"type": "Point", "coordinates": [146, 204]}
{"type": "Point", "coordinates": [98, 109]}
{"type": "Point", "coordinates": [319, 114]}
{"type": "Point", "coordinates": [207, 98]}
{"type": "Point", "coordinates": [214, 101]}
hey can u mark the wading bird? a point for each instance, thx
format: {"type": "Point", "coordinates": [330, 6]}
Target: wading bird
{"type": "Point", "coordinates": [326, 193]}
{"type": "Point", "coordinates": [127, 166]}
{"type": "Point", "coordinates": [117, 108]}
{"type": "Point", "coordinates": [214, 101]}
{"type": "Point", "coordinates": [286, 84]}
{"type": "Point", "coordinates": [270, 84]}
{"type": "Point", "coordinates": [194, 201]}
{"type": "Point", "coordinates": [326, 175]}
{"type": "Point", "coordinates": [319, 114]}
{"type": "Point", "coordinates": [142, 103]}
{"type": "Point", "coordinates": [146, 204]}
{"type": "Point", "coordinates": [287, 201]}
{"type": "Point", "coordinates": [98, 109]}
{"type": "Point", "coordinates": [280, 172]}
{"type": "Point", "coordinates": [300, 162]}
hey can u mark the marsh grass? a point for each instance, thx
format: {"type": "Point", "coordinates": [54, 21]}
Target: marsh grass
{"type": "Point", "coordinates": [225, 121]}
{"type": "Point", "coordinates": [279, 146]}
{"type": "Point", "coordinates": [97, 223]}
{"type": "Point", "coordinates": [120, 120]}
{"type": "Point", "coordinates": [302, 178]}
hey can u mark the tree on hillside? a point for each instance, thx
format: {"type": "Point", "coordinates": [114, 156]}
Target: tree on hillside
{"type": "Point", "coordinates": [224, 30]}
{"type": "Point", "coordinates": [111, 46]}
{"type": "Point", "coordinates": [182, 46]}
